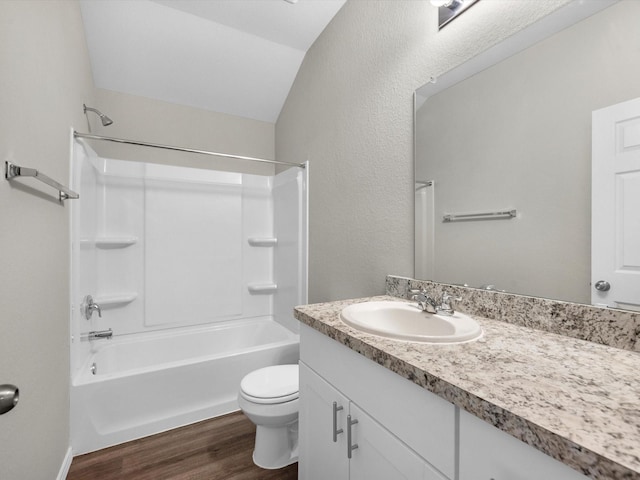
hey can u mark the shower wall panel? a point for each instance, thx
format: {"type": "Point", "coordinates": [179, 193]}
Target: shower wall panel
{"type": "Point", "coordinates": [257, 222]}
{"type": "Point", "coordinates": [119, 246]}
{"type": "Point", "coordinates": [193, 246]}
{"type": "Point", "coordinates": [290, 262]}
{"type": "Point", "coordinates": [85, 179]}
{"type": "Point", "coordinates": [161, 246]}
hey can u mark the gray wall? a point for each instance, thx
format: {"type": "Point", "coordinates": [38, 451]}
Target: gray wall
{"type": "Point", "coordinates": [518, 135]}
{"type": "Point", "coordinates": [350, 113]}
{"type": "Point", "coordinates": [150, 120]}
{"type": "Point", "coordinates": [44, 79]}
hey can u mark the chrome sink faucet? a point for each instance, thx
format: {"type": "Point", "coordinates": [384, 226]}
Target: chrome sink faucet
{"type": "Point", "coordinates": [427, 304]}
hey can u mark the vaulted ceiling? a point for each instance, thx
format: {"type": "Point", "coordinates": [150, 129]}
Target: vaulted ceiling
{"type": "Point", "coordinates": [238, 57]}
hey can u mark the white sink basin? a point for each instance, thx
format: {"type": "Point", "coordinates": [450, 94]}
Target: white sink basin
{"type": "Point", "coordinates": [405, 321]}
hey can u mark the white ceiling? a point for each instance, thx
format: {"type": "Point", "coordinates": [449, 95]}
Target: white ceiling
{"type": "Point", "coordinates": [238, 57]}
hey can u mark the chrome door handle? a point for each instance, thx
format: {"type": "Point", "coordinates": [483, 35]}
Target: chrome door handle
{"type": "Point", "coordinates": [336, 409]}
{"type": "Point", "coordinates": [9, 395]}
{"type": "Point", "coordinates": [603, 286]}
{"type": "Point", "coordinates": [350, 447]}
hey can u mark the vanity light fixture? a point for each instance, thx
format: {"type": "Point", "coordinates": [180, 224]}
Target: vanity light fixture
{"type": "Point", "coordinates": [450, 9]}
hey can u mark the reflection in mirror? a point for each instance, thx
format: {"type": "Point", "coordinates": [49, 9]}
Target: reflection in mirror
{"type": "Point", "coordinates": [518, 135]}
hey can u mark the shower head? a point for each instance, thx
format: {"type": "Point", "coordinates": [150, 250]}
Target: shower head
{"type": "Point", "coordinates": [106, 121]}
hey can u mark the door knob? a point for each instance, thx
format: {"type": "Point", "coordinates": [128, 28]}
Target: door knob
{"type": "Point", "coordinates": [9, 395]}
{"type": "Point", "coordinates": [602, 286]}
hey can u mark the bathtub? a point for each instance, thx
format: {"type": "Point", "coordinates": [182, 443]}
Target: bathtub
{"type": "Point", "coordinates": [133, 387]}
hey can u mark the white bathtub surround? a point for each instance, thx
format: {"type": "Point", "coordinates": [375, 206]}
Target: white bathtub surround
{"type": "Point", "coordinates": [167, 252]}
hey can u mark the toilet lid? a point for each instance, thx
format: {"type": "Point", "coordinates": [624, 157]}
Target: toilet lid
{"type": "Point", "coordinates": [278, 383]}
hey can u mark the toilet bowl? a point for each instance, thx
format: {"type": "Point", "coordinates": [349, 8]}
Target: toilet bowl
{"type": "Point", "coordinates": [269, 398]}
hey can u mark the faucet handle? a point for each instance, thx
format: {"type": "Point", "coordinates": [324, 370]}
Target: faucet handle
{"type": "Point", "coordinates": [89, 306]}
{"type": "Point", "coordinates": [446, 298]}
{"type": "Point", "coordinates": [446, 303]}
{"type": "Point", "coordinates": [96, 308]}
{"type": "Point", "coordinates": [417, 294]}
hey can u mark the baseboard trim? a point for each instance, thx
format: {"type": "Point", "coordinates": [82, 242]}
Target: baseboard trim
{"type": "Point", "coordinates": [66, 465]}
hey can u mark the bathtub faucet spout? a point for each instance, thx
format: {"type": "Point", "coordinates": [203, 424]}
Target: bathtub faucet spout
{"type": "Point", "coordinates": [95, 335]}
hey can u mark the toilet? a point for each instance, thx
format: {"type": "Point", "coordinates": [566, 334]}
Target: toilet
{"type": "Point", "coordinates": [269, 398]}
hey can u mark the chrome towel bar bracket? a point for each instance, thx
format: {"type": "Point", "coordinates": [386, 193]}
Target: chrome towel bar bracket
{"type": "Point", "coordinates": [12, 171]}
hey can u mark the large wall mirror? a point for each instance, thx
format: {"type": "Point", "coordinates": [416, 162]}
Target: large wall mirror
{"type": "Point", "coordinates": [517, 135]}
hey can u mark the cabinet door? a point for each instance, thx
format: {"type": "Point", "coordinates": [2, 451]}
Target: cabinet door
{"type": "Point", "coordinates": [487, 453]}
{"type": "Point", "coordinates": [420, 419]}
{"type": "Point", "coordinates": [320, 458]}
{"type": "Point", "coordinates": [381, 456]}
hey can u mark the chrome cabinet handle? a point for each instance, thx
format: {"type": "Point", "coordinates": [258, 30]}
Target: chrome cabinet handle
{"type": "Point", "coordinates": [336, 409]}
{"type": "Point", "coordinates": [603, 286]}
{"type": "Point", "coordinates": [350, 447]}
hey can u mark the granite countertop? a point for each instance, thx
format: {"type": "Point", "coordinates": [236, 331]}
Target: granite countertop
{"type": "Point", "coordinates": [574, 400]}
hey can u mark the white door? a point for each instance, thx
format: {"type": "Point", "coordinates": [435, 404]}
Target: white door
{"type": "Point", "coordinates": [322, 454]}
{"type": "Point", "coordinates": [615, 237]}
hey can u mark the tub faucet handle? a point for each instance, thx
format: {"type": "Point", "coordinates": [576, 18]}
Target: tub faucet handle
{"type": "Point", "coordinates": [89, 306]}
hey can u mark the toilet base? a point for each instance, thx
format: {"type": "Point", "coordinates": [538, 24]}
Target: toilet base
{"type": "Point", "coordinates": [276, 447]}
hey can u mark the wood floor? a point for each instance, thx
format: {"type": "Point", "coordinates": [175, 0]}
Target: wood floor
{"type": "Point", "coordinates": [216, 449]}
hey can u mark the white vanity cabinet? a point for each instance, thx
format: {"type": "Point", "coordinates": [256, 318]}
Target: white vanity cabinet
{"type": "Point", "coordinates": [401, 430]}
{"type": "Point", "coordinates": [487, 453]}
{"type": "Point", "coordinates": [328, 420]}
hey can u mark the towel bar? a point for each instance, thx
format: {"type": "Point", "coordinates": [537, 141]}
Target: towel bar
{"type": "Point", "coordinates": [12, 171]}
{"type": "Point", "coordinates": [479, 216]}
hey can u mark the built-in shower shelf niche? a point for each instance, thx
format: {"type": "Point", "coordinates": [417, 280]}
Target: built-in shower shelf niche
{"type": "Point", "coordinates": [263, 241]}
{"type": "Point", "coordinates": [116, 300]}
{"type": "Point", "coordinates": [262, 288]}
{"type": "Point", "coordinates": [109, 242]}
